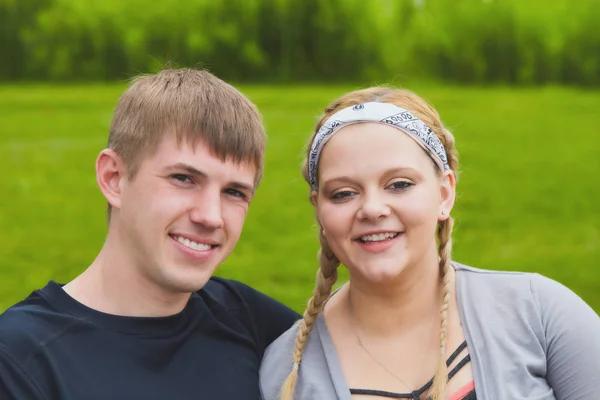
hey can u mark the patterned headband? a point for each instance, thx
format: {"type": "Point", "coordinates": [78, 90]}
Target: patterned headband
{"type": "Point", "coordinates": [383, 113]}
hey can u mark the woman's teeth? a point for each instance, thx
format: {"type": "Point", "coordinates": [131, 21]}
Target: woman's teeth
{"type": "Point", "coordinates": [378, 237]}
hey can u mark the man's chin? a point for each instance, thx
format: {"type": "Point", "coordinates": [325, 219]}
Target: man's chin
{"type": "Point", "coordinates": [186, 281]}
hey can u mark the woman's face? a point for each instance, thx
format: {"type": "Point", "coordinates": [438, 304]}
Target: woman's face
{"type": "Point", "coordinates": [379, 200]}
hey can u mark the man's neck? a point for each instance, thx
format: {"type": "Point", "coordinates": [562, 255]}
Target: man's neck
{"type": "Point", "coordinates": [113, 285]}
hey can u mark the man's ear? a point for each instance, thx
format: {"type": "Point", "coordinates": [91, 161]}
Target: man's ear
{"type": "Point", "coordinates": [448, 195]}
{"type": "Point", "coordinates": [110, 172]}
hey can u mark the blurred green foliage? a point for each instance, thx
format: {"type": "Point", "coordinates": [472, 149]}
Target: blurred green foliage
{"type": "Point", "coordinates": [469, 41]}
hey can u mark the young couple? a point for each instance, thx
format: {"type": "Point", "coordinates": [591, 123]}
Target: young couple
{"type": "Point", "coordinates": [147, 320]}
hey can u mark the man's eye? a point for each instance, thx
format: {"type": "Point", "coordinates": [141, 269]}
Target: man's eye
{"type": "Point", "coordinates": [181, 178]}
{"type": "Point", "coordinates": [236, 193]}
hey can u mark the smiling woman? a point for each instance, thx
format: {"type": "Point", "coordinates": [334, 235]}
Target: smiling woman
{"type": "Point", "coordinates": [410, 321]}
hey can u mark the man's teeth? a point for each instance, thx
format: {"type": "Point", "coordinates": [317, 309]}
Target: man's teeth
{"type": "Point", "coordinates": [378, 237]}
{"type": "Point", "coordinates": [193, 245]}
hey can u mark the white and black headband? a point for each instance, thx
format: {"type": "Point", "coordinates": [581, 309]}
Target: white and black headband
{"type": "Point", "coordinates": [383, 113]}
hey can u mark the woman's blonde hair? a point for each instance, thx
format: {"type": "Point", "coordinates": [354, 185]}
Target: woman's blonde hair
{"type": "Point", "coordinates": [328, 262]}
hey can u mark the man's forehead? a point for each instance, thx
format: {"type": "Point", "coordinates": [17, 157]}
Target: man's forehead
{"type": "Point", "coordinates": [197, 155]}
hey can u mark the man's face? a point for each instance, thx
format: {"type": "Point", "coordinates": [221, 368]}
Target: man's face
{"type": "Point", "coordinates": [182, 214]}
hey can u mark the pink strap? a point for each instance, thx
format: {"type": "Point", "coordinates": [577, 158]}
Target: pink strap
{"type": "Point", "coordinates": [463, 391]}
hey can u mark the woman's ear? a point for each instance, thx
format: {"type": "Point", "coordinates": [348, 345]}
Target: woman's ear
{"type": "Point", "coordinates": [447, 195]}
{"type": "Point", "coordinates": [313, 198]}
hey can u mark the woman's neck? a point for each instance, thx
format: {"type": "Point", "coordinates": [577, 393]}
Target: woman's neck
{"type": "Point", "coordinates": [383, 310]}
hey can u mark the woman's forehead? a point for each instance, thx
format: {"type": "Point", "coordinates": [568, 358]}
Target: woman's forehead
{"type": "Point", "coordinates": [371, 139]}
{"type": "Point", "coordinates": [373, 146]}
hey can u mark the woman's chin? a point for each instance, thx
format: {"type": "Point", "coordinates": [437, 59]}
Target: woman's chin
{"type": "Point", "coordinates": [380, 275]}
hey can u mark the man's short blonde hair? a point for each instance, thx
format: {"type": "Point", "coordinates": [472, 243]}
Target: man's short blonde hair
{"type": "Point", "coordinates": [193, 106]}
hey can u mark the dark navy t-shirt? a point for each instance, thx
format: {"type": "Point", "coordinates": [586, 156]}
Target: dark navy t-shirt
{"type": "Point", "coordinates": [53, 347]}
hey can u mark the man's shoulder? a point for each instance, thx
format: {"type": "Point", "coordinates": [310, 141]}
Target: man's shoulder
{"type": "Point", "coordinates": [262, 315]}
{"type": "Point", "coordinates": [22, 317]}
{"type": "Point", "coordinates": [233, 294]}
{"type": "Point", "coordinates": [30, 325]}
{"type": "Point", "coordinates": [239, 297]}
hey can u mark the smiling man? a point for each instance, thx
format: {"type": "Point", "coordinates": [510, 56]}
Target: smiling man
{"type": "Point", "coordinates": [146, 320]}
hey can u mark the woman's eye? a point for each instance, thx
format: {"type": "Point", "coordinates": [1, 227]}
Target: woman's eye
{"type": "Point", "coordinates": [181, 178]}
{"type": "Point", "coordinates": [342, 195]}
{"type": "Point", "coordinates": [400, 185]}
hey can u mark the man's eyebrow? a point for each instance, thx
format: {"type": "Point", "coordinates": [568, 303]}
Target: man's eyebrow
{"type": "Point", "coordinates": [196, 172]}
{"type": "Point", "coordinates": [191, 170]}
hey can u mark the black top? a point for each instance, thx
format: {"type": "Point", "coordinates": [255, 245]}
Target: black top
{"type": "Point", "coordinates": [416, 394]}
{"type": "Point", "coordinates": [53, 347]}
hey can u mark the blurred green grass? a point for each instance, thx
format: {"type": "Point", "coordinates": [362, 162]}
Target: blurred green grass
{"type": "Point", "coordinates": [528, 186]}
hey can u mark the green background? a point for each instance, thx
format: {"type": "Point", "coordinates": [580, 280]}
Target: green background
{"type": "Point", "coordinates": [516, 81]}
{"type": "Point", "coordinates": [527, 191]}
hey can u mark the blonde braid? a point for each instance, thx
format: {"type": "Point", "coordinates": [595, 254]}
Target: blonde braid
{"type": "Point", "coordinates": [326, 277]}
{"type": "Point", "coordinates": [438, 391]}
